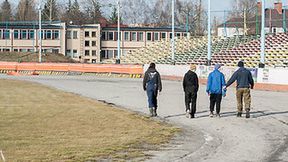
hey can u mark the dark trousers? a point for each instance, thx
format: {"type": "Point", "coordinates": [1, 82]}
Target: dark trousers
{"type": "Point", "coordinates": [215, 99]}
{"type": "Point", "coordinates": [190, 102]}
{"type": "Point", "coordinates": [152, 98]}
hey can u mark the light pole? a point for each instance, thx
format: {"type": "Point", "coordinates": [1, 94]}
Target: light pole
{"type": "Point", "coordinates": [209, 34]}
{"type": "Point", "coordinates": [40, 32]}
{"type": "Point", "coordinates": [118, 39]}
{"type": "Point", "coordinates": [173, 33]}
{"type": "Point", "coordinates": [262, 57]}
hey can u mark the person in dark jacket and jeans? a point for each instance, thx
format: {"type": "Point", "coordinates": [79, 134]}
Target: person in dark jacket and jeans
{"type": "Point", "coordinates": [244, 83]}
{"type": "Point", "coordinates": [215, 87]}
{"type": "Point", "coordinates": [152, 84]}
{"type": "Point", "coordinates": [190, 86]}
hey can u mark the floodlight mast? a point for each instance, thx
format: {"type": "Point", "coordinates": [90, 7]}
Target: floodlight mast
{"type": "Point", "coordinates": [40, 32]}
{"type": "Point", "coordinates": [262, 57]}
{"type": "Point", "coordinates": [118, 39]}
{"type": "Point", "coordinates": [173, 32]}
{"type": "Point", "coordinates": [209, 34]}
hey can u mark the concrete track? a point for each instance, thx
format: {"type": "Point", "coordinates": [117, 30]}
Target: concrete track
{"type": "Point", "coordinates": [263, 137]}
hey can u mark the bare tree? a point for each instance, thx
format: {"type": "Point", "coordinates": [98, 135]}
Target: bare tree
{"type": "Point", "coordinates": [26, 11]}
{"type": "Point", "coordinates": [50, 11]}
{"type": "Point", "coordinates": [243, 6]}
{"type": "Point", "coordinates": [92, 11]}
{"type": "Point", "coordinates": [5, 12]}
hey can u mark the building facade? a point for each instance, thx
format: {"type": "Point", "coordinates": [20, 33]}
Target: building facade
{"type": "Point", "coordinates": [86, 43]}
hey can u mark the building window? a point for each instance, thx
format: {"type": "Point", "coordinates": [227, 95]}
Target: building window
{"type": "Point", "coordinates": [93, 52]}
{"type": "Point", "coordinates": [178, 35]}
{"type": "Point", "coordinates": [103, 36]}
{"type": "Point", "coordinates": [163, 35]}
{"type": "Point", "coordinates": [87, 53]}
{"type": "Point", "coordinates": [170, 35]}
{"type": "Point", "coordinates": [56, 34]}
{"type": "Point", "coordinates": [141, 36]}
{"type": "Point", "coordinates": [87, 34]}
{"type": "Point", "coordinates": [87, 43]}
{"type": "Point", "coordinates": [75, 35]}
{"type": "Point", "coordinates": [68, 53]}
{"type": "Point", "coordinates": [6, 34]}
{"type": "Point", "coordinates": [110, 36]}
{"type": "Point", "coordinates": [68, 34]}
{"type": "Point", "coordinates": [93, 34]}
{"type": "Point", "coordinates": [23, 34]}
{"type": "Point", "coordinates": [93, 43]}
{"type": "Point", "coordinates": [75, 54]}
{"type": "Point", "coordinates": [15, 50]}
{"type": "Point", "coordinates": [48, 34]}
{"type": "Point", "coordinates": [31, 34]}
{"type": "Point", "coordinates": [149, 37]}
{"type": "Point", "coordinates": [126, 36]}
{"type": "Point", "coordinates": [156, 36]}
{"type": "Point", "coordinates": [0, 35]}
{"type": "Point", "coordinates": [16, 34]}
{"type": "Point", "coordinates": [134, 36]}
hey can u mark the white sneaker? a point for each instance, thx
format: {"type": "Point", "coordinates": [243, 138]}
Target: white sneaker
{"type": "Point", "coordinates": [188, 115]}
{"type": "Point", "coordinates": [211, 115]}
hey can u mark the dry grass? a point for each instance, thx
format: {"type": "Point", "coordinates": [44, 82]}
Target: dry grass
{"type": "Point", "coordinates": [38, 123]}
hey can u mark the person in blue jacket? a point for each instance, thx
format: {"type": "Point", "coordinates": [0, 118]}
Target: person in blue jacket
{"type": "Point", "coordinates": [215, 89]}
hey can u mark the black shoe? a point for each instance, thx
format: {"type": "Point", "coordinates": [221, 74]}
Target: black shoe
{"type": "Point", "coordinates": [154, 113]}
{"type": "Point", "coordinates": [247, 114]}
{"type": "Point", "coordinates": [192, 116]}
{"type": "Point", "coordinates": [239, 114]}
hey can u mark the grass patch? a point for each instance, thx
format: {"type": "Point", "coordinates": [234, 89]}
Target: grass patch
{"type": "Point", "coordinates": [39, 123]}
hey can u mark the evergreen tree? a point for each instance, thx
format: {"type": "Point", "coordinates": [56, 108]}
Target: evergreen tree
{"type": "Point", "coordinates": [26, 11]}
{"type": "Point", "coordinates": [5, 12]}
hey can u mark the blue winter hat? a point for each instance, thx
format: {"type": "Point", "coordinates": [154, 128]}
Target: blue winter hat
{"type": "Point", "coordinates": [217, 66]}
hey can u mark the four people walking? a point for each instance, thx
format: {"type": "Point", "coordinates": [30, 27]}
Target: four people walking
{"type": "Point", "coordinates": [216, 88]}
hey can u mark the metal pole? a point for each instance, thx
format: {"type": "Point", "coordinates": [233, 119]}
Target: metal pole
{"type": "Point", "coordinates": [187, 22]}
{"type": "Point", "coordinates": [118, 39]}
{"type": "Point", "coordinates": [262, 58]}
{"type": "Point", "coordinates": [40, 32]}
{"type": "Point", "coordinates": [173, 33]}
{"type": "Point", "coordinates": [209, 34]}
{"type": "Point", "coordinates": [284, 19]}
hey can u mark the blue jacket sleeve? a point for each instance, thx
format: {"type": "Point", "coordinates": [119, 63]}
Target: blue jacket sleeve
{"type": "Point", "coordinates": [223, 83]}
{"type": "Point", "coordinates": [209, 82]}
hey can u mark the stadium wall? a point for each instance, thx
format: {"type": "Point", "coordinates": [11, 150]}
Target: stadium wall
{"type": "Point", "coordinates": [273, 79]}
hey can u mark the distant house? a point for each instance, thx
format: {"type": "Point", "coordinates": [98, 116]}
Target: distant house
{"type": "Point", "coordinates": [274, 19]}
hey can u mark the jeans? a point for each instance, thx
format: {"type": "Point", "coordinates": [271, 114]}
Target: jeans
{"type": "Point", "coordinates": [215, 99]}
{"type": "Point", "coordinates": [152, 98]}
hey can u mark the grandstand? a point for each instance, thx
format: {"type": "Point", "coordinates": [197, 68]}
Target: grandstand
{"type": "Point", "coordinates": [160, 50]}
{"type": "Point", "coordinates": [218, 44]}
{"type": "Point", "coordinates": [276, 53]}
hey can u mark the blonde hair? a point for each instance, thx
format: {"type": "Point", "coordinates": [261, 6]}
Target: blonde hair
{"type": "Point", "coordinates": [193, 67]}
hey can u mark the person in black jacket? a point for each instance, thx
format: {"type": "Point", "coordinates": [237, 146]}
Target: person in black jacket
{"type": "Point", "coordinates": [190, 86]}
{"type": "Point", "coordinates": [244, 83]}
{"type": "Point", "coordinates": [152, 84]}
